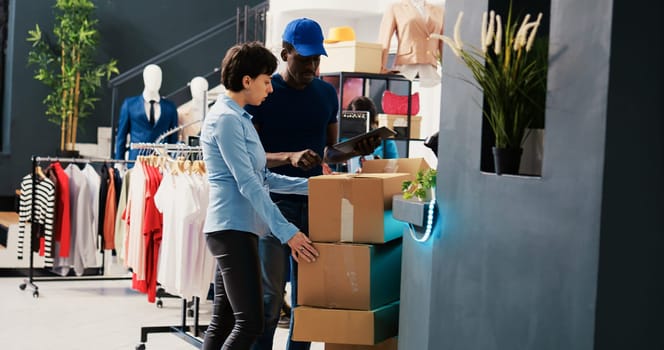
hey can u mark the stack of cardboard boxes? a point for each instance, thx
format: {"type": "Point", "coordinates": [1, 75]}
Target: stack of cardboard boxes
{"type": "Point", "coordinates": [349, 297]}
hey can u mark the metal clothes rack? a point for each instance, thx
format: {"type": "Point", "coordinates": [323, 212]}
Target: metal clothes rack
{"type": "Point", "coordinates": [177, 129]}
{"type": "Point", "coordinates": [164, 148]}
{"type": "Point", "coordinates": [190, 334]}
{"type": "Point", "coordinates": [30, 281]}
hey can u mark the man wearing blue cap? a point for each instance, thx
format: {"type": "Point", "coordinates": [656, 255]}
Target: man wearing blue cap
{"type": "Point", "coordinates": [297, 124]}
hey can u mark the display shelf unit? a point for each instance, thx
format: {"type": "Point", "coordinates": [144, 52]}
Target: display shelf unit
{"type": "Point", "coordinates": [388, 79]}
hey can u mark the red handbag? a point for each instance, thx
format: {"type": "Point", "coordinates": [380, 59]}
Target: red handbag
{"type": "Point", "coordinates": [397, 104]}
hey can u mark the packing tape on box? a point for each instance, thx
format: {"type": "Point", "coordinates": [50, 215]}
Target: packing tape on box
{"type": "Point", "coordinates": [347, 212]}
{"type": "Point", "coordinates": [346, 220]}
{"type": "Point", "coordinates": [392, 166]}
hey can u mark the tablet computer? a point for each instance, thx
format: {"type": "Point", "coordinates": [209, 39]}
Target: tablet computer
{"type": "Point", "coordinates": [347, 146]}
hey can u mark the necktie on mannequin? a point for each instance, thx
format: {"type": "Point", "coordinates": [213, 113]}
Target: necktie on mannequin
{"type": "Point", "coordinates": [152, 102]}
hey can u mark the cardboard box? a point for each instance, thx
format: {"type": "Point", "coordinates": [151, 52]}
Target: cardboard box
{"type": "Point", "coordinates": [351, 276]}
{"type": "Point", "coordinates": [399, 123]}
{"type": "Point", "coordinates": [398, 165]}
{"type": "Point", "coordinates": [346, 326]}
{"type": "Point", "coordinates": [390, 344]}
{"type": "Point", "coordinates": [351, 56]}
{"type": "Point", "coordinates": [354, 207]}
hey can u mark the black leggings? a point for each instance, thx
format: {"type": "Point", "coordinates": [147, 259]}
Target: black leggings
{"type": "Point", "coordinates": [237, 315]}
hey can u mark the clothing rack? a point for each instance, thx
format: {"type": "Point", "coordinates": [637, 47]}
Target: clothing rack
{"type": "Point", "coordinates": [176, 129]}
{"type": "Point", "coordinates": [30, 281]}
{"type": "Point", "coordinates": [164, 148]}
{"type": "Point", "coordinates": [190, 334]}
{"type": "Point", "coordinates": [168, 147]}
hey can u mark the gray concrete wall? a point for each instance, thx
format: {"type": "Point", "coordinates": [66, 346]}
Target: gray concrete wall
{"type": "Point", "coordinates": [515, 264]}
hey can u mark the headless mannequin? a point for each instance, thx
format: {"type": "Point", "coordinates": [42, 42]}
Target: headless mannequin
{"type": "Point", "coordinates": [199, 87]}
{"type": "Point", "coordinates": [136, 124]}
{"type": "Point", "coordinates": [413, 21]}
{"type": "Point", "coordinates": [152, 83]}
{"type": "Point", "coordinates": [196, 109]}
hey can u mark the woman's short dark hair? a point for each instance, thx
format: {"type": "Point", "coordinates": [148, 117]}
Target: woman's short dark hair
{"type": "Point", "coordinates": [251, 59]}
{"type": "Point", "coordinates": [363, 103]}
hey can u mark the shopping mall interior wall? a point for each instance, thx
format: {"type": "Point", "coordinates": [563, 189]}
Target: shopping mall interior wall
{"type": "Point", "coordinates": [515, 264]}
{"type": "Point", "coordinates": [630, 288]}
{"type": "Point", "coordinates": [132, 32]}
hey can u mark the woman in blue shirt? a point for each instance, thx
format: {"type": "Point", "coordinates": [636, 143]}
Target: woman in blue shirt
{"type": "Point", "coordinates": [240, 208]}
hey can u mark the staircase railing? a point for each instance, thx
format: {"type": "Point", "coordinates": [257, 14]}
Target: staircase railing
{"type": "Point", "coordinates": [243, 18]}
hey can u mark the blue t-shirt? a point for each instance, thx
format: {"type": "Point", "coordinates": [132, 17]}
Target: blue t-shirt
{"type": "Point", "coordinates": [291, 120]}
{"type": "Point", "coordinates": [387, 150]}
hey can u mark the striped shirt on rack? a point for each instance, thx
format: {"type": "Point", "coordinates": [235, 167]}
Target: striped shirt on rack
{"type": "Point", "coordinates": [44, 210]}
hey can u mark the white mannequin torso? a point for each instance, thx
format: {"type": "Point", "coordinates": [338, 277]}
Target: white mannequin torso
{"type": "Point", "coordinates": [194, 110]}
{"type": "Point", "coordinates": [199, 87]}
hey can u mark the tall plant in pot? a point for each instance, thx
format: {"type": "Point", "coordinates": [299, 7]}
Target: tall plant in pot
{"type": "Point", "coordinates": [67, 67]}
{"type": "Point", "coordinates": [511, 75]}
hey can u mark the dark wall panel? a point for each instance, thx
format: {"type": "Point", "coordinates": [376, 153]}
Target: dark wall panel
{"type": "Point", "coordinates": [631, 284]}
{"type": "Point", "coordinates": [132, 32]}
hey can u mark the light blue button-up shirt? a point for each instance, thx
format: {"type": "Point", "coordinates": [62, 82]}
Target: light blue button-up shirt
{"type": "Point", "coordinates": [239, 180]}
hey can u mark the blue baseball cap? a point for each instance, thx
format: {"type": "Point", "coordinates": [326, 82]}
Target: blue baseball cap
{"type": "Point", "coordinates": [306, 36]}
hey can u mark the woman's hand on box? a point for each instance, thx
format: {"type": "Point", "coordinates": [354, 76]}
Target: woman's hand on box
{"type": "Point", "coordinates": [302, 247]}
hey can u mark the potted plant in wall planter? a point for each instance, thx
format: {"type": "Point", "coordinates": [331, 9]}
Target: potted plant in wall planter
{"type": "Point", "coordinates": [411, 205]}
{"type": "Point", "coordinates": [416, 206]}
{"type": "Point", "coordinates": [512, 77]}
{"type": "Point", "coordinates": [423, 188]}
{"type": "Point", "coordinates": [67, 67]}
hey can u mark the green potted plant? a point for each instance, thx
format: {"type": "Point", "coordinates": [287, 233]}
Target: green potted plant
{"type": "Point", "coordinates": [422, 188]}
{"type": "Point", "coordinates": [512, 77]}
{"type": "Point", "coordinates": [416, 205]}
{"type": "Point", "coordinates": [67, 67]}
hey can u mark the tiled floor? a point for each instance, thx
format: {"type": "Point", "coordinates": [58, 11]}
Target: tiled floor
{"type": "Point", "coordinates": [100, 315]}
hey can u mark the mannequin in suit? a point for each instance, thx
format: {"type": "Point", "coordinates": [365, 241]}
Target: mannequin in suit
{"type": "Point", "coordinates": [413, 21]}
{"type": "Point", "coordinates": [144, 117]}
{"type": "Point", "coordinates": [196, 109]}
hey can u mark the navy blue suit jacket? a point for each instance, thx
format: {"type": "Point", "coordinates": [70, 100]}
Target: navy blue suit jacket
{"type": "Point", "coordinates": [134, 122]}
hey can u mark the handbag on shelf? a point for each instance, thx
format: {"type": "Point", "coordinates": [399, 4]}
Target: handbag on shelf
{"type": "Point", "coordinates": [397, 104]}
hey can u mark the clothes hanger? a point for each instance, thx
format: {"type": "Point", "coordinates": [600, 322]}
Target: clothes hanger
{"type": "Point", "coordinates": [40, 172]}
{"type": "Point", "coordinates": [201, 162]}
